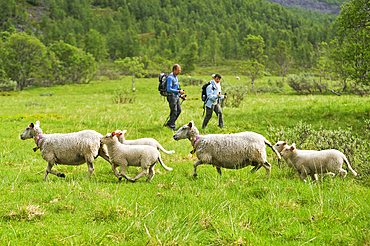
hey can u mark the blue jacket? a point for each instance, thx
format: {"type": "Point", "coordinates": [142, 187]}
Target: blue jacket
{"type": "Point", "coordinates": [173, 84]}
{"type": "Point", "coordinates": [212, 94]}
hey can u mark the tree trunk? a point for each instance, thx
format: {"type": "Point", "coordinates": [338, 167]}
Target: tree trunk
{"type": "Point", "coordinates": [133, 85]}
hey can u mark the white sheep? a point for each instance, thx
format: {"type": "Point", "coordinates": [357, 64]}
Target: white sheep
{"type": "Point", "coordinates": [232, 151]}
{"type": "Point", "coordinates": [281, 145]}
{"type": "Point", "coordinates": [315, 162]}
{"type": "Point", "coordinates": [66, 149]}
{"type": "Point", "coordinates": [237, 78]}
{"type": "Point", "coordinates": [141, 141]}
{"type": "Point", "coordinates": [122, 156]}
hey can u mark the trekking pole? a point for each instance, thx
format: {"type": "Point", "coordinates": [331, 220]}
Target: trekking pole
{"type": "Point", "coordinates": [223, 101]}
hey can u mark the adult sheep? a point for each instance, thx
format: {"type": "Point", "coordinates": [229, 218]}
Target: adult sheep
{"type": "Point", "coordinates": [232, 151]}
{"type": "Point", "coordinates": [67, 149]}
{"type": "Point", "coordinates": [141, 141]}
{"type": "Point", "coordinates": [315, 162]}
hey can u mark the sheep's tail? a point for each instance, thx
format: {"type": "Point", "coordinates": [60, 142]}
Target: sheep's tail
{"type": "Point", "coordinates": [167, 152]}
{"type": "Point", "coordinates": [273, 149]}
{"type": "Point", "coordinates": [163, 165]}
{"type": "Point", "coordinates": [349, 166]}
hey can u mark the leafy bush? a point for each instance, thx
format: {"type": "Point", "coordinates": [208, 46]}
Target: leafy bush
{"type": "Point", "coordinates": [302, 83]}
{"type": "Point", "coordinates": [235, 93]}
{"type": "Point", "coordinates": [9, 85]}
{"type": "Point", "coordinates": [124, 97]}
{"type": "Point", "coordinates": [265, 89]}
{"type": "Point", "coordinates": [356, 148]}
{"type": "Point", "coordinates": [185, 81]}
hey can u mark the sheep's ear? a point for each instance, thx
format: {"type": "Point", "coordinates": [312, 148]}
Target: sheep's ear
{"type": "Point", "coordinates": [285, 143]}
{"type": "Point", "coordinates": [191, 124]}
{"type": "Point", "coordinates": [124, 132]}
{"type": "Point", "coordinates": [32, 125]}
{"type": "Point", "coordinates": [38, 123]}
{"type": "Point", "coordinates": [293, 146]}
{"type": "Point", "coordinates": [112, 134]}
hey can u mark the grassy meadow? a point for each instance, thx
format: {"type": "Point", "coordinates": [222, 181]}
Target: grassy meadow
{"type": "Point", "coordinates": [239, 208]}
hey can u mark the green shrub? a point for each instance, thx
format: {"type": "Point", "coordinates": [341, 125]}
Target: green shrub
{"type": "Point", "coordinates": [124, 97]}
{"type": "Point", "coordinates": [235, 93]}
{"type": "Point", "coordinates": [186, 81]}
{"type": "Point", "coordinates": [9, 85]}
{"type": "Point", "coordinates": [302, 83]}
{"type": "Point", "coordinates": [356, 148]}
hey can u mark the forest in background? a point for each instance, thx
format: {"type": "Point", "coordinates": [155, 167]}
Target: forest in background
{"type": "Point", "coordinates": [193, 33]}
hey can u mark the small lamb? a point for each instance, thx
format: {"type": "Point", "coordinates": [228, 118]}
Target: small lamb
{"type": "Point", "coordinates": [132, 155]}
{"type": "Point", "coordinates": [141, 141]}
{"type": "Point", "coordinates": [314, 162]}
{"type": "Point", "coordinates": [67, 149]}
{"type": "Point", "coordinates": [232, 151]}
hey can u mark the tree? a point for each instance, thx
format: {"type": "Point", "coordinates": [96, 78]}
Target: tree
{"type": "Point", "coordinates": [353, 40]}
{"type": "Point", "coordinates": [282, 58]}
{"type": "Point", "coordinates": [255, 58]}
{"type": "Point", "coordinates": [190, 56]}
{"type": "Point", "coordinates": [134, 66]}
{"type": "Point", "coordinates": [24, 57]}
{"type": "Point", "coordinates": [95, 44]}
{"type": "Point", "coordinates": [215, 44]}
{"type": "Point", "coordinates": [73, 65]}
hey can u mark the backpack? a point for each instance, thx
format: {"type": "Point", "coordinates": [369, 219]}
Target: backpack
{"type": "Point", "coordinates": [162, 87]}
{"type": "Point", "coordinates": [204, 91]}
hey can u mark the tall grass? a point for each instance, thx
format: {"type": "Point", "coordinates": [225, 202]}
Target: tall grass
{"type": "Point", "coordinates": [241, 208]}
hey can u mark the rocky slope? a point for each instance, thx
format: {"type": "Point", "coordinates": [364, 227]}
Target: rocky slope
{"type": "Point", "coordinates": [309, 5]}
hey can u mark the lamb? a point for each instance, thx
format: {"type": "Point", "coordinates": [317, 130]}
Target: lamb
{"type": "Point", "coordinates": [66, 149]}
{"type": "Point", "coordinates": [232, 151]}
{"type": "Point", "coordinates": [141, 141]}
{"type": "Point", "coordinates": [132, 155]}
{"type": "Point", "coordinates": [280, 146]}
{"type": "Point", "coordinates": [314, 162]}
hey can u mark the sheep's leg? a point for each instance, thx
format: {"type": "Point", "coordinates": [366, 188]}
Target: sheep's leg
{"type": "Point", "coordinates": [144, 171]}
{"type": "Point", "coordinates": [197, 163]}
{"type": "Point", "coordinates": [123, 173]}
{"type": "Point", "coordinates": [48, 170]}
{"type": "Point", "coordinates": [314, 176]}
{"type": "Point", "coordinates": [342, 173]}
{"type": "Point", "coordinates": [114, 168]}
{"type": "Point", "coordinates": [303, 176]}
{"type": "Point", "coordinates": [219, 171]}
{"type": "Point", "coordinates": [90, 167]}
{"type": "Point", "coordinates": [151, 173]}
{"type": "Point", "coordinates": [267, 166]}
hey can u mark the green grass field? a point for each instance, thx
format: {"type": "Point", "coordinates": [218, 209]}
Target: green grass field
{"type": "Point", "coordinates": [240, 208]}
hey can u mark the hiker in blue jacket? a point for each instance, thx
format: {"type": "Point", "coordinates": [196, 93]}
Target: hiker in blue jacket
{"type": "Point", "coordinates": [213, 101]}
{"type": "Point", "coordinates": [174, 99]}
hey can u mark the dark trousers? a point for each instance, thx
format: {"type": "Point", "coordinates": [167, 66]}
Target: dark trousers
{"type": "Point", "coordinates": [209, 112]}
{"type": "Point", "coordinates": [175, 107]}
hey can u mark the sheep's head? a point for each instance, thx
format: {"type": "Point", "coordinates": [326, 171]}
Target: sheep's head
{"type": "Point", "coordinates": [109, 138]}
{"type": "Point", "coordinates": [121, 135]}
{"type": "Point", "coordinates": [31, 131]}
{"type": "Point", "coordinates": [186, 131]}
{"type": "Point", "coordinates": [289, 151]}
{"type": "Point", "coordinates": [280, 145]}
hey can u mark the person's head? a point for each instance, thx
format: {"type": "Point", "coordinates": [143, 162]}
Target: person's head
{"type": "Point", "coordinates": [176, 69]}
{"type": "Point", "coordinates": [217, 78]}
